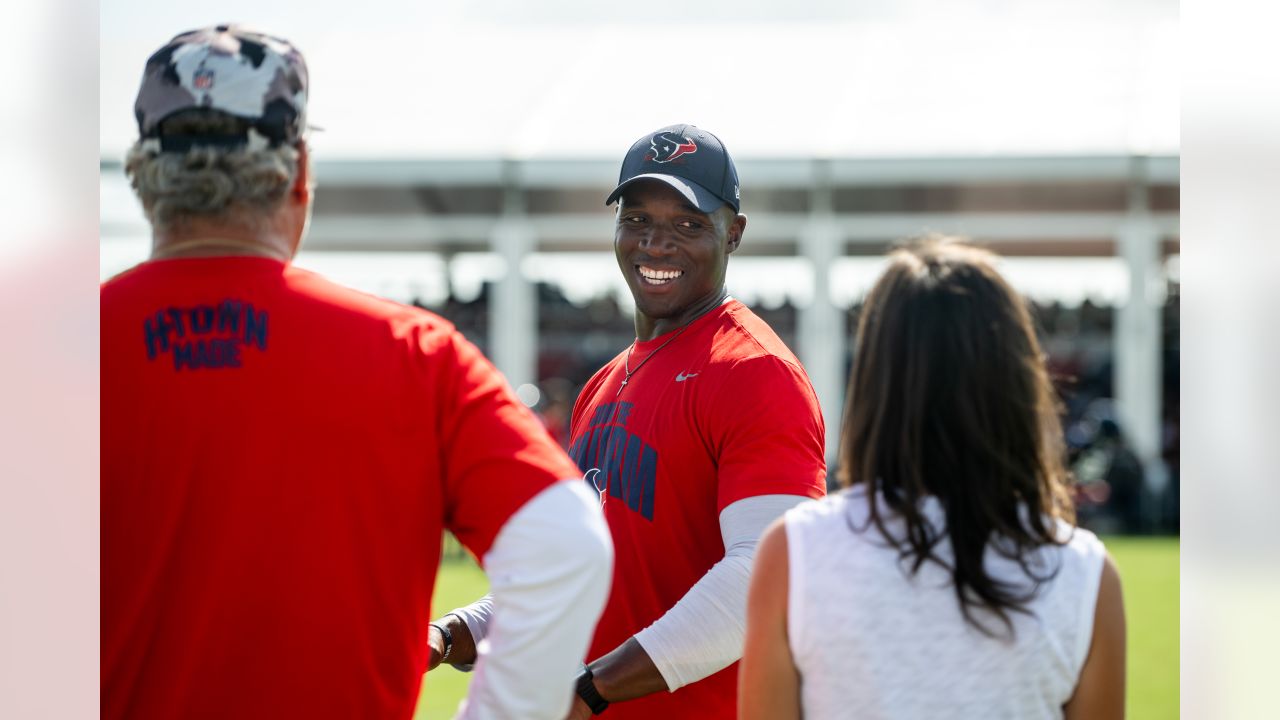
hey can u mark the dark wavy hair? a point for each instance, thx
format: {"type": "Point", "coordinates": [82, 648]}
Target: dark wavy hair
{"type": "Point", "coordinates": [949, 397]}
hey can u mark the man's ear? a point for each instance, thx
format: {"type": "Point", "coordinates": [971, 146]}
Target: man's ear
{"type": "Point", "coordinates": [736, 228]}
{"type": "Point", "coordinates": [301, 190]}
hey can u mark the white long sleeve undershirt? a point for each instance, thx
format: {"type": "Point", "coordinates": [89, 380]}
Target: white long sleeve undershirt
{"type": "Point", "coordinates": [549, 569]}
{"type": "Point", "coordinates": [703, 632]}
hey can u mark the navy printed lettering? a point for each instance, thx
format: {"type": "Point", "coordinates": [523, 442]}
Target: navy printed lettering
{"type": "Point", "coordinates": [613, 460]}
{"type": "Point", "coordinates": [156, 330]}
{"type": "Point", "coordinates": [625, 467]}
{"type": "Point", "coordinates": [183, 355]}
{"type": "Point", "coordinates": [214, 353]}
{"type": "Point", "coordinates": [255, 328]}
{"type": "Point", "coordinates": [224, 329]}
{"type": "Point", "coordinates": [176, 316]}
{"type": "Point", "coordinates": [648, 474]}
{"type": "Point", "coordinates": [229, 352]}
{"type": "Point", "coordinates": [201, 319]}
{"type": "Point", "coordinates": [229, 317]}
{"type": "Point", "coordinates": [598, 438]}
{"type": "Point", "coordinates": [630, 480]}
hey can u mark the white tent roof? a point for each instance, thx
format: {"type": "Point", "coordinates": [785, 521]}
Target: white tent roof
{"type": "Point", "coordinates": [805, 78]}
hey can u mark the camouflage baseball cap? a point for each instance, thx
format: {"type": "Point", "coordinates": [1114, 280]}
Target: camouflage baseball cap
{"type": "Point", "coordinates": [247, 74]}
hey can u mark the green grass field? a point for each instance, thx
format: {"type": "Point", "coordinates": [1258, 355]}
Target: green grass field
{"type": "Point", "coordinates": [1149, 574]}
{"type": "Point", "coordinates": [1148, 569]}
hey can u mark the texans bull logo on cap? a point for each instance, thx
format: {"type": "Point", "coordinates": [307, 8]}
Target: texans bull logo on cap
{"type": "Point", "coordinates": [668, 146]}
{"type": "Point", "coordinates": [692, 161]}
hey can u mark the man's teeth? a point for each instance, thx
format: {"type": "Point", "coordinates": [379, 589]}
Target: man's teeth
{"type": "Point", "coordinates": [660, 276]}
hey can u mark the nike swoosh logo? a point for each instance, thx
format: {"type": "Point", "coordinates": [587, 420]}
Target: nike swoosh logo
{"type": "Point", "coordinates": [681, 377]}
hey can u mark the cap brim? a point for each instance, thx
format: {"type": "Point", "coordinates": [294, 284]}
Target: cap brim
{"type": "Point", "coordinates": [698, 196]}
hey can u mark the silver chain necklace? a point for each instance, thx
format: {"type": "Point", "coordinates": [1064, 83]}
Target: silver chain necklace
{"type": "Point", "coordinates": [626, 364]}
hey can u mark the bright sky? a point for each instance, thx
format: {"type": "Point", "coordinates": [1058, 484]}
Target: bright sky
{"type": "Point", "coordinates": [579, 78]}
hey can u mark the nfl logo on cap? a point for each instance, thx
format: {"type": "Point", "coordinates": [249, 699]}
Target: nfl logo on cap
{"type": "Point", "coordinates": [202, 79]}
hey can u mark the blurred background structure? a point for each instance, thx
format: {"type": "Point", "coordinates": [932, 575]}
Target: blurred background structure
{"type": "Point", "coordinates": [467, 151]}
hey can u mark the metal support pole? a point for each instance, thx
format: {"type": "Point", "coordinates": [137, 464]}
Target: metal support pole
{"type": "Point", "coordinates": [513, 321]}
{"type": "Point", "coordinates": [1137, 336]}
{"type": "Point", "coordinates": [821, 326]}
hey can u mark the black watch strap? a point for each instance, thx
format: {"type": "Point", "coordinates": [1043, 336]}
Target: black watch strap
{"type": "Point", "coordinates": [586, 688]}
{"type": "Point", "coordinates": [448, 639]}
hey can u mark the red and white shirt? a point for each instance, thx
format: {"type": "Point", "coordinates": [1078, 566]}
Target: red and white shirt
{"type": "Point", "coordinates": [721, 413]}
{"type": "Point", "coordinates": [279, 458]}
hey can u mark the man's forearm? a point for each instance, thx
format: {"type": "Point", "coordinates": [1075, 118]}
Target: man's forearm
{"type": "Point", "coordinates": [549, 569]}
{"type": "Point", "coordinates": [626, 673]}
{"type": "Point", "coordinates": [703, 633]}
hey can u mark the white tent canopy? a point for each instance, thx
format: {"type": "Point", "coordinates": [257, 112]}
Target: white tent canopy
{"type": "Point", "coordinates": [570, 78]}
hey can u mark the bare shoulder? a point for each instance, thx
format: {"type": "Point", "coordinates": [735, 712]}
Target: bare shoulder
{"type": "Point", "coordinates": [1110, 575]}
{"type": "Point", "coordinates": [1109, 615]}
{"type": "Point", "coordinates": [771, 553]}
{"type": "Point", "coordinates": [1109, 612]}
{"type": "Point", "coordinates": [767, 595]}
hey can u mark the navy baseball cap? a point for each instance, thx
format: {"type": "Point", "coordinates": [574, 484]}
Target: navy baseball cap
{"type": "Point", "coordinates": [228, 68]}
{"type": "Point", "coordinates": [691, 160]}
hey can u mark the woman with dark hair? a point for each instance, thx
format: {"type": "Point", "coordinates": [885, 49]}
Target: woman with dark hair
{"type": "Point", "coordinates": [948, 578]}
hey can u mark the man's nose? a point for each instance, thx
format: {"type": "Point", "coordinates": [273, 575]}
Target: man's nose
{"type": "Point", "coordinates": [660, 240]}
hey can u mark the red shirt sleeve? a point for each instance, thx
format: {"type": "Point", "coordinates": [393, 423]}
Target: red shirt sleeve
{"type": "Point", "coordinates": [769, 432]}
{"type": "Point", "coordinates": [496, 454]}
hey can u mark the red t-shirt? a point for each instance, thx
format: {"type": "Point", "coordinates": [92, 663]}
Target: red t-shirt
{"type": "Point", "coordinates": [722, 413]}
{"type": "Point", "coordinates": [279, 457]}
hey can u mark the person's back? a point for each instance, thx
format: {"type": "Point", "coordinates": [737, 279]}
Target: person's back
{"type": "Point", "coordinates": [280, 455]}
{"type": "Point", "coordinates": [872, 640]}
{"type": "Point", "coordinates": [948, 579]}
{"type": "Point", "coordinates": [273, 456]}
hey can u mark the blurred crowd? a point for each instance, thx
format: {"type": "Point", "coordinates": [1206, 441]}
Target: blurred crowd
{"type": "Point", "coordinates": [1115, 492]}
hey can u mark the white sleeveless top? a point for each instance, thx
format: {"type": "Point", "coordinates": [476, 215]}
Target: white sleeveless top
{"type": "Point", "coordinates": [873, 641]}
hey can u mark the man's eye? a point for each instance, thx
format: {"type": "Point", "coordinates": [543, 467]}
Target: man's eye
{"type": "Point", "coordinates": [690, 225]}
{"type": "Point", "coordinates": [633, 220]}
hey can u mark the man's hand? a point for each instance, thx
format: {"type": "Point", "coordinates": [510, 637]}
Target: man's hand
{"type": "Point", "coordinates": [624, 674]}
{"type": "Point", "coordinates": [464, 646]}
{"type": "Point", "coordinates": [435, 641]}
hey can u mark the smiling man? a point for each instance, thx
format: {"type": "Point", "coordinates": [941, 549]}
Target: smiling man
{"type": "Point", "coordinates": [697, 436]}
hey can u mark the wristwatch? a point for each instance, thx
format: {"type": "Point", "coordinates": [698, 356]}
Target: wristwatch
{"type": "Point", "coordinates": [448, 640]}
{"type": "Point", "coordinates": [586, 688]}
